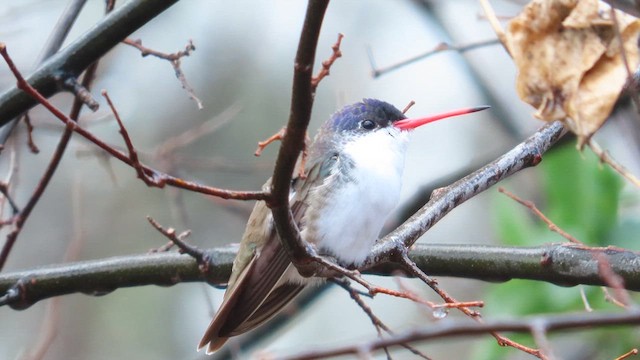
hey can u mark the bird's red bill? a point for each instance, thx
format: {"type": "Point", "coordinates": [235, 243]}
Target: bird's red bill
{"type": "Point", "coordinates": [410, 124]}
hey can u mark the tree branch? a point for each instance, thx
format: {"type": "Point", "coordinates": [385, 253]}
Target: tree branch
{"type": "Point", "coordinates": [459, 328]}
{"type": "Point", "coordinates": [561, 264]}
{"type": "Point", "coordinates": [526, 154]}
{"type": "Point", "coordinates": [293, 141]}
{"type": "Point", "coordinates": [75, 58]}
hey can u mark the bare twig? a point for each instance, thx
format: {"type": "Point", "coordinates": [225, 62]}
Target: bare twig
{"type": "Point", "coordinates": [376, 321]}
{"type": "Point", "coordinates": [627, 355]}
{"type": "Point", "coordinates": [495, 23]}
{"type": "Point", "coordinates": [612, 280]}
{"type": "Point", "coordinates": [32, 145]}
{"type": "Point", "coordinates": [413, 269]}
{"type": "Point", "coordinates": [409, 105]}
{"type": "Point", "coordinates": [159, 179]}
{"type": "Point", "coordinates": [452, 329]}
{"type": "Point", "coordinates": [607, 159]}
{"type": "Point", "coordinates": [73, 59]}
{"type": "Point", "coordinates": [174, 59]}
{"type": "Point", "coordinates": [623, 55]}
{"type": "Point", "coordinates": [170, 233]}
{"type": "Point", "coordinates": [379, 71]}
{"type": "Point", "coordinates": [266, 142]}
{"type": "Point", "coordinates": [22, 217]}
{"type": "Point", "coordinates": [278, 137]}
{"type": "Point", "coordinates": [326, 65]}
{"type": "Point", "coordinates": [531, 206]}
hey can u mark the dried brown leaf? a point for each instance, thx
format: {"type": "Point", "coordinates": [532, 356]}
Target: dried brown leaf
{"type": "Point", "coordinates": [569, 61]}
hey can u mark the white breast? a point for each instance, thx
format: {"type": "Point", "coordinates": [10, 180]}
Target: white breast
{"type": "Point", "coordinates": [350, 222]}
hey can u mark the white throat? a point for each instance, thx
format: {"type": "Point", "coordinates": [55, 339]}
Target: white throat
{"type": "Point", "coordinates": [356, 212]}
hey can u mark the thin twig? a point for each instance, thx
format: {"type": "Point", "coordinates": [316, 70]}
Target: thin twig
{"type": "Point", "coordinates": [159, 179]}
{"type": "Point", "coordinates": [377, 72]}
{"type": "Point", "coordinates": [623, 55]}
{"type": "Point", "coordinates": [554, 322]}
{"type": "Point", "coordinates": [409, 105]}
{"type": "Point", "coordinates": [411, 267]}
{"type": "Point", "coordinates": [170, 233]}
{"type": "Point", "coordinates": [326, 65]}
{"type": "Point", "coordinates": [32, 145]}
{"type": "Point", "coordinates": [278, 137]}
{"type": "Point", "coordinates": [174, 59]}
{"type": "Point", "coordinates": [495, 23]}
{"type": "Point", "coordinates": [627, 355]}
{"type": "Point", "coordinates": [612, 280]}
{"type": "Point", "coordinates": [74, 58]}
{"type": "Point", "coordinates": [375, 320]}
{"type": "Point", "coordinates": [531, 206]}
{"type": "Point", "coordinates": [607, 159]}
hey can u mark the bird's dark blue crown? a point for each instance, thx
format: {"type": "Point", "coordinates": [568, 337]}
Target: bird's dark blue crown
{"type": "Point", "coordinates": [349, 117]}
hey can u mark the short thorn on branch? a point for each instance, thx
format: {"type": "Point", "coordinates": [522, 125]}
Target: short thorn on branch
{"type": "Point", "coordinates": [409, 105]}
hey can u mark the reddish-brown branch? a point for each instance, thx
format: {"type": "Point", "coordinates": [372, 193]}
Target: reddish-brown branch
{"type": "Point", "coordinates": [607, 274]}
{"type": "Point", "coordinates": [326, 65]}
{"type": "Point", "coordinates": [412, 268]}
{"type": "Point", "coordinates": [278, 137]}
{"type": "Point", "coordinates": [32, 145]}
{"type": "Point", "coordinates": [531, 206]}
{"type": "Point", "coordinates": [408, 294]}
{"type": "Point", "coordinates": [159, 178]}
{"type": "Point", "coordinates": [627, 355]}
{"type": "Point", "coordinates": [375, 320]}
{"type": "Point", "coordinates": [612, 280]}
{"type": "Point", "coordinates": [550, 323]}
{"type": "Point", "coordinates": [133, 155]}
{"type": "Point", "coordinates": [266, 142]}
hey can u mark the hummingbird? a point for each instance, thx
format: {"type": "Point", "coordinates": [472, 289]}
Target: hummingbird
{"type": "Point", "coordinates": [352, 183]}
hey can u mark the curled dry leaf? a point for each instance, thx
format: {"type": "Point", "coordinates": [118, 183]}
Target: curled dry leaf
{"type": "Point", "coordinates": [570, 62]}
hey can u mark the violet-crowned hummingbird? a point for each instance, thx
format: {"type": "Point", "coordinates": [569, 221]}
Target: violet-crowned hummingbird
{"type": "Point", "coordinates": [353, 182]}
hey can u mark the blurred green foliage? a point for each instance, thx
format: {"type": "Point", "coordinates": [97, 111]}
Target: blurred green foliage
{"type": "Point", "coordinates": [583, 197]}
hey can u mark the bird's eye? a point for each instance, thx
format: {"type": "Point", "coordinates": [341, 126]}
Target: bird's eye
{"type": "Point", "coordinates": [368, 124]}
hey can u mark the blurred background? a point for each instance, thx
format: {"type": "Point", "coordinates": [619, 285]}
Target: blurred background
{"type": "Point", "coordinates": [242, 66]}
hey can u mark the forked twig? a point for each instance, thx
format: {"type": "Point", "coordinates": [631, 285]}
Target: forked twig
{"type": "Point", "coordinates": [174, 59]}
{"type": "Point", "coordinates": [411, 267]}
{"type": "Point", "coordinates": [375, 320]}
